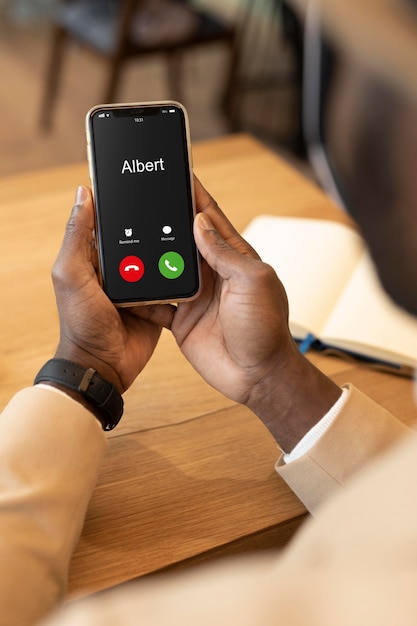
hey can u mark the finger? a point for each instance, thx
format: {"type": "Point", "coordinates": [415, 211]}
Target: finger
{"type": "Point", "coordinates": [206, 204]}
{"type": "Point", "coordinates": [225, 259]}
{"type": "Point", "coordinates": [75, 254]}
{"type": "Point", "coordinates": [159, 314]}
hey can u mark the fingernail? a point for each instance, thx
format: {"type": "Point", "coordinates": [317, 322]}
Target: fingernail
{"type": "Point", "coordinates": [204, 222]}
{"type": "Point", "coordinates": [80, 195]}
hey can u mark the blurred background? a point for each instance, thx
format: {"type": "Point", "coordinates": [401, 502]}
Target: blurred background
{"type": "Point", "coordinates": [235, 64]}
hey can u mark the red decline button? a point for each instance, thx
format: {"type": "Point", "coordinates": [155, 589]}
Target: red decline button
{"type": "Point", "coordinates": [131, 268]}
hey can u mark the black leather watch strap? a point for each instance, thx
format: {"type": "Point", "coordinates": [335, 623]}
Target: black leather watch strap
{"type": "Point", "coordinates": [97, 391]}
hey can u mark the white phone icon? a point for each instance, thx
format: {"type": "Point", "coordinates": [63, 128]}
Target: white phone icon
{"type": "Point", "coordinates": [170, 267]}
{"type": "Point", "coordinates": [133, 267]}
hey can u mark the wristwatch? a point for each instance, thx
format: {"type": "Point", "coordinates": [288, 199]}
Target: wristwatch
{"type": "Point", "coordinates": [96, 390]}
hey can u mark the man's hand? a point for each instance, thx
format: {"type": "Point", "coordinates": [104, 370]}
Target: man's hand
{"type": "Point", "coordinates": [93, 333]}
{"type": "Point", "coordinates": [236, 334]}
{"type": "Point", "coordinates": [237, 330]}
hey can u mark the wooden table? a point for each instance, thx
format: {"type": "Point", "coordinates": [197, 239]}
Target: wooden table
{"type": "Point", "coordinates": [189, 475]}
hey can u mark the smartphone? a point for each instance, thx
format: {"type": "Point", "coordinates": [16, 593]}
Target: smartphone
{"type": "Point", "coordinates": [141, 174]}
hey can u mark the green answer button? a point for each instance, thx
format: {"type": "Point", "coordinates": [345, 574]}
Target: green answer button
{"type": "Point", "coordinates": [171, 265]}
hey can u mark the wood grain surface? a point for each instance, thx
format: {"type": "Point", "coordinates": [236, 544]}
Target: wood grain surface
{"type": "Point", "coordinates": [188, 475]}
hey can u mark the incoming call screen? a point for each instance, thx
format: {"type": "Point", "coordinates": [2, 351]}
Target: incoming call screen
{"type": "Point", "coordinates": [143, 203]}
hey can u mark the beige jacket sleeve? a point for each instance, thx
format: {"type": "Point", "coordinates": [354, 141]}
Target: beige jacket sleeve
{"type": "Point", "coordinates": [353, 564]}
{"type": "Point", "coordinates": [50, 450]}
{"type": "Point", "coordinates": [362, 430]}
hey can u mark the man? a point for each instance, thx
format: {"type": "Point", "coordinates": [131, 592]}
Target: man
{"type": "Point", "coordinates": [354, 563]}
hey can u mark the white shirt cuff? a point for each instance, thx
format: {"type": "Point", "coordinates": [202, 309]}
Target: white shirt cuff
{"type": "Point", "coordinates": [318, 430]}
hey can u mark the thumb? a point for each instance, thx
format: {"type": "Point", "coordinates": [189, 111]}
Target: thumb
{"type": "Point", "coordinates": [219, 254]}
{"type": "Point", "coordinates": [81, 222]}
{"type": "Point", "coordinates": [76, 254]}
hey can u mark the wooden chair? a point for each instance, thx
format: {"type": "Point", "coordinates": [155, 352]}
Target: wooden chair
{"type": "Point", "coordinates": [107, 28]}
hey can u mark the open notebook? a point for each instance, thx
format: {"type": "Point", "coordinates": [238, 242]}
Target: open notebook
{"type": "Point", "coordinates": [335, 298]}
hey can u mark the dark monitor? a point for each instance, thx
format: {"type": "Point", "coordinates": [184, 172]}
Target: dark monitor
{"type": "Point", "coordinates": [368, 169]}
{"type": "Point", "coordinates": [320, 64]}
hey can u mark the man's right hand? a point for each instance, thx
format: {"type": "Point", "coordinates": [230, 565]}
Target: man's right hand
{"type": "Point", "coordinates": [236, 335]}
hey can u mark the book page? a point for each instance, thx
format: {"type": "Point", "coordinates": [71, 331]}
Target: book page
{"type": "Point", "coordinates": [367, 321]}
{"type": "Point", "coordinates": [314, 260]}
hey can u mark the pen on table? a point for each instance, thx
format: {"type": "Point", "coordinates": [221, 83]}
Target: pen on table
{"type": "Point", "coordinates": [306, 343]}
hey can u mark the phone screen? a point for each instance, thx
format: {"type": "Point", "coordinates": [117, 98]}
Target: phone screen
{"type": "Point", "coordinates": [139, 160]}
